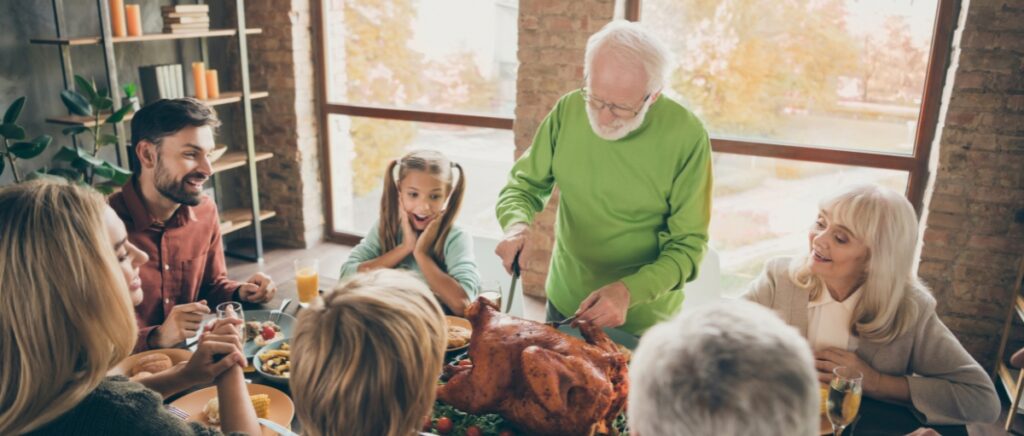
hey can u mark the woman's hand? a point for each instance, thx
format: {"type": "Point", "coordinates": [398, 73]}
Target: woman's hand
{"type": "Point", "coordinates": [219, 349]}
{"type": "Point", "coordinates": [828, 359]}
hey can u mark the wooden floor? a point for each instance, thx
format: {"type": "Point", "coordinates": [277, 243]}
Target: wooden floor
{"type": "Point", "coordinates": [278, 264]}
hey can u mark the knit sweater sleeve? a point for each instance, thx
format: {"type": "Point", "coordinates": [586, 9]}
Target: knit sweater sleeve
{"type": "Point", "coordinates": [120, 406]}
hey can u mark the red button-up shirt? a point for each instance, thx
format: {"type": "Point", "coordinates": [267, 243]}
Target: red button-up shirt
{"type": "Point", "coordinates": [186, 259]}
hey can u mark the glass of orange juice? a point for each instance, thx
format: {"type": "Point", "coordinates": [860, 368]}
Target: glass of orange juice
{"type": "Point", "coordinates": [307, 279]}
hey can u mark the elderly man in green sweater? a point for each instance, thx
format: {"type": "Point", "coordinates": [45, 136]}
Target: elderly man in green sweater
{"type": "Point", "coordinates": [634, 172]}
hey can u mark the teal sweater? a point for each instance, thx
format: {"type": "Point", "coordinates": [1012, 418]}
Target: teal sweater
{"type": "Point", "coordinates": [460, 262]}
{"type": "Point", "coordinates": [635, 210]}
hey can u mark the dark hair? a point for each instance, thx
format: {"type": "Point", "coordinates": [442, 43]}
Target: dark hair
{"type": "Point", "coordinates": [167, 117]}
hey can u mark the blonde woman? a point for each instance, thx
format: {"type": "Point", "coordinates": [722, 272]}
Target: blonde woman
{"type": "Point", "coordinates": [855, 297]}
{"type": "Point", "coordinates": [66, 318]}
{"type": "Point", "coordinates": [366, 359]}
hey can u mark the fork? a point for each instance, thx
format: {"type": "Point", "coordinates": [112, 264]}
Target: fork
{"type": "Point", "coordinates": [275, 315]}
{"type": "Point", "coordinates": [177, 412]}
{"type": "Point", "coordinates": [557, 324]}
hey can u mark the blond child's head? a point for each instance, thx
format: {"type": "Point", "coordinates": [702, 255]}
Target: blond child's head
{"type": "Point", "coordinates": [367, 358]}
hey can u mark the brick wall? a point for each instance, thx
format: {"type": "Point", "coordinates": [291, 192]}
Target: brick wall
{"type": "Point", "coordinates": [972, 242]}
{"type": "Point", "coordinates": [282, 61]}
{"type": "Point", "coordinates": [552, 38]}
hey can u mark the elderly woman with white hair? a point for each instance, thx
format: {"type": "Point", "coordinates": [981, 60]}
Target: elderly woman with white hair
{"type": "Point", "coordinates": [724, 369]}
{"type": "Point", "coordinates": [856, 299]}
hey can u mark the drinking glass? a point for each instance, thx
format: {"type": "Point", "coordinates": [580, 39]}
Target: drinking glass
{"type": "Point", "coordinates": [491, 290]}
{"type": "Point", "coordinates": [844, 393]}
{"type": "Point", "coordinates": [233, 309]}
{"type": "Point", "coordinates": [307, 279]}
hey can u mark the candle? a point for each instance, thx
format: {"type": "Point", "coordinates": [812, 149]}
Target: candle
{"type": "Point", "coordinates": [212, 87]}
{"type": "Point", "coordinates": [117, 25]}
{"type": "Point", "coordinates": [199, 78]}
{"type": "Point", "coordinates": [134, 17]}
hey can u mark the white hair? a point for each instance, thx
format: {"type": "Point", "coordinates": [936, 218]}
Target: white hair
{"type": "Point", "coordinates": [728, 368]}
{"type": "Point", "coordinates": [631, 43]}
{"type": "Point", "coordinates": [884, 221]}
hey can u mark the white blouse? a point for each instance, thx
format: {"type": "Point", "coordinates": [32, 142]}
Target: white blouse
{"type": "Point", "coordinates": [828, 322]}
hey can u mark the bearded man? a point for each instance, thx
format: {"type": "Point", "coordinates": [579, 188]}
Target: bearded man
{"type": "Point", "coordinates": [168, 217]}
{"type": "Point", "coordinates": [633, 168]}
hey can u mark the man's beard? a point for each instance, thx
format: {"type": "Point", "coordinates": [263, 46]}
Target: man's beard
{"type": "Point", "coordinates": [618, 128]}
{"type": "Point", "coordinates": [176, 190]}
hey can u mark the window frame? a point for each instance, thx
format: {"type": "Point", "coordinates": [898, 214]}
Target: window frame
{"type": "Point", "coordinates": [328, 108]}
{"type": "Point", "coordinates": [915, 164]}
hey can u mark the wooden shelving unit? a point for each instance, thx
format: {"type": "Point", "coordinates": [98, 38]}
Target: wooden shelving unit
{"type": "Point", "coordinates": [237, 159]}
{"type": "Point", "coordinates": [1012, 379]}
{"type": "Point", "coordinates": [234, 219]}
{"type": "Point", "coordinates": [225, 98]}
{"type": "Point", "coordinates": [94, 40]}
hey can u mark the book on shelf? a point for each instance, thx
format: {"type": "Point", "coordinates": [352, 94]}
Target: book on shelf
{"type": "Point", "coordinates": [192, 19]}
{"type": "Point", "coordinates": [186, 28]}
{"type": "Point", "coordinates": [161, 81]}
{"type": "Point", "coordinates": [185, 15]}
{"type": "Point", "coordinates": [185, 8]}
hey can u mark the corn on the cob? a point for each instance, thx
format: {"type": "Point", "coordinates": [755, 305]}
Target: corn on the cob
{"type": "Point", "coordinates": [261, 403]}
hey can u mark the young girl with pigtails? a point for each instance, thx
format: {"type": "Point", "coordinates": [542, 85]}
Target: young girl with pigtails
{"type": "Point", "coordinates": [416, 230]}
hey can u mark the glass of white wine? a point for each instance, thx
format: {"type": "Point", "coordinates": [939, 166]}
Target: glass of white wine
{"type": "Point", "coordinates": [844, 393]}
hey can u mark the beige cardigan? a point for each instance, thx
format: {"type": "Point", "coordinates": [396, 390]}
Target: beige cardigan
{"type": "Point", "coordinates": [947, 386]}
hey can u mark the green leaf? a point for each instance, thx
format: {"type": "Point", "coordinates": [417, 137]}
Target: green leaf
{"type": "Point", "coordinates": [108, 139]}
{"type": "Point", "coordinates": [75, 103]}
{"type": "Point", "coordinates": [14, 111]}
{"type": "Point", "coordinates": [119, 176]}
{"type": "Point", "coordinates": [66, 173]}
{"type": "Point", "coordinates": [103, 103]}
{"type": "Point", "coordinates": [104, 92]}
{"type": "Point", "coordinates": [130, 89]}
{"type": "Point", "coordinates": [66, 154]}
{"type": "Point", "coordinates": [105, 188]}
{"type": "Point", "coordinates": [12, 131]}
{"type": "Point", "coordinates": [31, 149]}
{"type": "Point", "coordinates": [74, 130]}
{"type": "Point", "coordinates": [118, 116]}
{"type": "Point", "coordinates": [86, 87]}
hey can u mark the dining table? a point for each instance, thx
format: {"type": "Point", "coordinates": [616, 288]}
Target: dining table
{"type": "Point", "coordinates": [876, 418]}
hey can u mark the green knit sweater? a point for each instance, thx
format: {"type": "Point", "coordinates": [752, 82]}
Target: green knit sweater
{"type": "Point", "coordinates": [635, 210]}
{"type": "Point", "coordinates": [121, 407]}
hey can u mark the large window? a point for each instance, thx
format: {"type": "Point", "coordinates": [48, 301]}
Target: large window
{"type": "Point", "coordinates": [802, 97]}
{"type": "Point", "coordinates": [398, 75]}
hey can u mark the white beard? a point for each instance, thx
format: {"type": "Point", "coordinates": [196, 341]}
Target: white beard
{"type": "Point", "coordinates": [618, 128]}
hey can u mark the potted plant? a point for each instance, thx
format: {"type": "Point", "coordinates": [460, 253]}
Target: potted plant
{"type": "Point", "coordinates": [13, 140]}
{"type": "Point", "coordinates": [131, 97]}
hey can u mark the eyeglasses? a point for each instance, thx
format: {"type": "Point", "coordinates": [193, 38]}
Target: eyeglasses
{"type": "Point", "coordinates": [617, 111]}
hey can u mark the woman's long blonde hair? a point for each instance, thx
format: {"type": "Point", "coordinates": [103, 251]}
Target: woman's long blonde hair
{"type": "Point", "coordinates": [366, 359]}
{"type": "Point", "coordinates": [437, 165]}
{"type": "Point", "coordinates": [886, 223]}
{"type": "Point", "coordinates": [65, 313]}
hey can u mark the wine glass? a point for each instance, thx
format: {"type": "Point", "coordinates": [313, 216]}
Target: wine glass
{"type": "Point", "coordinates": [844, 393]}
{"type": "Point", "coordinates": [233, 309]}
{"type": "Point", "coordinates": [491, 290]}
